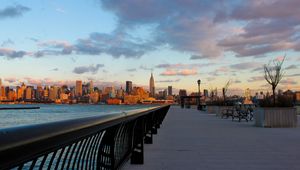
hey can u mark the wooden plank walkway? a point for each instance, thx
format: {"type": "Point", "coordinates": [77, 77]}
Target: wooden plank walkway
{"type": "Point", "coordinates": [189, 139]}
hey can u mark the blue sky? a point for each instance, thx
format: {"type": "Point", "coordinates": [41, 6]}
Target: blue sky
{"type": "Point", "coordinates": [111, 41]}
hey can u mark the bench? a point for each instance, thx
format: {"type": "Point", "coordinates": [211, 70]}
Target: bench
{"type": "Point", "coordinates": [227, 112]}
{"type": "Point", "coordinates": [243, 112]}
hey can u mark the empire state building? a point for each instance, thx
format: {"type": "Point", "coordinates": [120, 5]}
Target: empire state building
{"type": "Point", "coordinates": [152, 87]}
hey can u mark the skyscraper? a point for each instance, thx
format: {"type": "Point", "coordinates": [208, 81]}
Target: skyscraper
{"type": "Point", "coordinates": [128, 87]}
{"type": "Point", "coordinates": [91, 87]}
{"type": "Point", "coordinates": [170, 93]}
{"type": "Point", "coordinates": [78, 89]}
{"type": "Point", "coordinates": [152, 87]}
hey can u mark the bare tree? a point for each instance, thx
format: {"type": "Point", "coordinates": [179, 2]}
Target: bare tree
{"type": "Point", "coordinates": [274, 73]}
{"type": "Point", "coordinates": [225, 88]}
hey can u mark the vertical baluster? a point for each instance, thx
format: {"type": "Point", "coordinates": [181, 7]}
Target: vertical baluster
{"type": "Point", "coordinates": [43, 162]}
{"type": "Point", "coordinates": [71, 155]}
{"type": "Point", "coordinates": [77, 153]}
{"type": "Point", "coordinates": [81, 157]}
{"type": "Point", "coordinates": [51, 160]}
{"type": "Point", "coordinates": [59, 157]}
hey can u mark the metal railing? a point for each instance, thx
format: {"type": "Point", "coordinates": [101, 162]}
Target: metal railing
{"type": "Point", "coordinates": [101, 142]}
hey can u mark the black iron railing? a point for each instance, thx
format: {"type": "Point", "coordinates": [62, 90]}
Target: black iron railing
{"type": "Point", "coordinates": [102, 142]}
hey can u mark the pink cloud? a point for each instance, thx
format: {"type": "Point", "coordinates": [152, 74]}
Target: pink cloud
{"type": "Point", "coordinates": [184, 72]}
{"type": "Point", "coordinates": [187, 72]}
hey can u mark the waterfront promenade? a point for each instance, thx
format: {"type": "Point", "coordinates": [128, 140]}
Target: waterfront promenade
{"type": "Point", "coordinates": [189, 139]}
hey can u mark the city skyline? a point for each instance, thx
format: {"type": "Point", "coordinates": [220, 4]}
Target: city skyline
{"type": "Point", "coordinates": [125, 40]}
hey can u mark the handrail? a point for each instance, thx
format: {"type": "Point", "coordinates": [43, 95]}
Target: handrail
{"type": "Point", "coordinates": [20, 145]}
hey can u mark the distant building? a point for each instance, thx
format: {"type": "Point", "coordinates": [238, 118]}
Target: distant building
{"type": "Point", "coordinates": [28, 92]}
{"type": "Point", "coordinates": [170, 93]}
{"type": "Point", "coordinates": [39, 92]}
{"type": "Point", "coordinates": [91, 87]}
{"type": "Point", "coordinates": [46, 92]}
{"type": "Point", "coordinates": [152, 86]}
{"type": "Point", "coordinates": [78, 88]}
{"type": "Point", "coordinates": [297, 97]}
{"type": "Point", "coordinates": [182, 92]}
{"type": "Point", "coordinates": [120, 93]}
{"type": "Point", "coordinates": [94, 97]}
{"type": "Point", "coordinates": [128, 87]}
{"type": "Point", "coordinates": [53, 93]}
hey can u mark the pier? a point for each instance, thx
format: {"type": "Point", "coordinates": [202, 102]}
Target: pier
{"type": "Point", "coordinates": [192, 139]}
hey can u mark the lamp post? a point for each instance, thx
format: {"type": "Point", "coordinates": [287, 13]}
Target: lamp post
{"type": "Point", "coordinates": [199, 105]}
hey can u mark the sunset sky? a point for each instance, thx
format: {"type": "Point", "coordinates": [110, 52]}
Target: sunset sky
{"type": "Point", "coordinates": [180, 41]}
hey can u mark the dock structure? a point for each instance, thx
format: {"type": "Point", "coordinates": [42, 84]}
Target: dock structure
{"type": "Point", "coordinates": [192, 139]}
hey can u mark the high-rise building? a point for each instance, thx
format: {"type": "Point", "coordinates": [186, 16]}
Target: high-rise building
{"type": "Point", "coordinates": [128, 87]}
{"type": "Point", "coordinates": [170, 93]}
{"type": "Point", "coordinates": [53, 93]}
{"type": "Point", "coordinates": [91, 86]}
{"type": "Point", "coordinates": [152, 86]}
{"type": "Point", "coordinates": [182, 92]}
{"type": "Point", "coordinates": [28, 92]}
{"type": "Point", "coordinates": [46, 92]}
{"type": "Point", "coordinates": [78, 89]}
{"type": "Point", "coordinates": [39, 92]}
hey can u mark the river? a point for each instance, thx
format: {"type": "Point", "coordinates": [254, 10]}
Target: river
{"type": "Point", "coordinates": [53, 112]}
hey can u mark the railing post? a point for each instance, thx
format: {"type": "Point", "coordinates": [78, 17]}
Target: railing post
{"type": "Point", "coordinates": [106, 156]}
{"type": "Point", "coordinates": [137, 156]}
{"type": "Point", "coordinates": [148, 128]}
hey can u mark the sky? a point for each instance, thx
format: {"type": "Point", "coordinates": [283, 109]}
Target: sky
{"type": "Point", "coordinates": [56, 42]}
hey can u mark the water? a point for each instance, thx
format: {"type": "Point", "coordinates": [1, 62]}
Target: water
{"type": "Point", "coordinates": [52, 112]}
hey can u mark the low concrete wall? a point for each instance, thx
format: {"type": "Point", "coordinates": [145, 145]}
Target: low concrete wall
{"type": "Point", "coordinates": [276, 117]}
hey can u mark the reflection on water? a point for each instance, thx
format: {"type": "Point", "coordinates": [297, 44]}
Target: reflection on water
{"type": "Point", "coordinates": [52, 112]}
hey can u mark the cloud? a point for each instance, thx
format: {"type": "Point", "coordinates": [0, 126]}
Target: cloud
{"type": "Point", "coordinates": [245, 65]}
{"type": "Point", "coordinates": [131, 70]}
{"type": "Point", "coordinates": [293, 75]}
{"type": "Point", "coordinates": [184, 72]}
{"type": "Point", "coordinates": [60, 10]}
{"type": "Point", "coordinates": [291, 67]}
{"type": "Point", "coordinates": [13, 11]}
{"type": "Point", "coordinates": [237, 81]}
{"type": "Point", "coordinates": [87, 69]}
{"type": "Point", "coordinates": [11, 80]}
{"type": "Point", "coordinates": [55, 69]}
{"type": "Point", "coordinates": [270, 27]}
{"type": "Point", "coordinates": [288, 81]}
{"type": "Point", "coordinates": [7, 43]}
{"type": "Point", "coordinates": [256, 79]}
{"type": "Point", "coordinates": [222, 69]}
{"type": "Point", "coordinates": [197, 57]}
{"type": "Point", "coordinates": [146, 68]}
{"type": "Point", "coordinates": [12, 54]}
{"type": "Point", "coordinates": [210, 78]}
{"type": "Point", "coordinates": [184, 26]}
{"type": "Point", "coordinates": [259, 69]}
{"type": "Point", "coordinates": [183, 66]}
{"type": "Point", "coordinates": [54, 47]}
{"type": "Point", "coordinates": [116, 44]}
{"type": "Point", "coordinates": [168, 81]}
